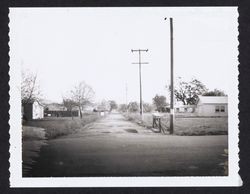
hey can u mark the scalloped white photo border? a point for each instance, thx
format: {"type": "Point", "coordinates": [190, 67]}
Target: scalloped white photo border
{"type": "Point", "coordinates": [16, 179]}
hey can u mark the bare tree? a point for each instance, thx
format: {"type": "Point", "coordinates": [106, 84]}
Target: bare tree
{"type": "Point", "coordinates": [30, 90]}
{"type": "Point", "coordinates": [82, 95]}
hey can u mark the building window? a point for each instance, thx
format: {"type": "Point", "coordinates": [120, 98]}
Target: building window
{"type": "Point", "coordinates": [219, 108]}
{"type": "Point", "coordinates": [222, 109]}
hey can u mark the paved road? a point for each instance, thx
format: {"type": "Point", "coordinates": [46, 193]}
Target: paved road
{"type": "Point", "coordinates": [114, 146]}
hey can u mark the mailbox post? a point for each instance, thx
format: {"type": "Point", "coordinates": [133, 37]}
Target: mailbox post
{"type": "Point", "coordinates": [157, 121]}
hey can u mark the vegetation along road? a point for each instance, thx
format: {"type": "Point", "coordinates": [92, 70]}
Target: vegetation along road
{"type": "Point", "coordinates": [114, 146]}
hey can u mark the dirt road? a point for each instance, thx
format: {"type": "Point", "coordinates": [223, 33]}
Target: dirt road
{"type": "Point", "coordinates": [114, 146]}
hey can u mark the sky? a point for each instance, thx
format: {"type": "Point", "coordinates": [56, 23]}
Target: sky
{"type": "Point", "coordinates": [64, 46]}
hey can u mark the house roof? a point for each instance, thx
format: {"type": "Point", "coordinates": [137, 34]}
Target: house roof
{"type": "Point", "coordinates": [212, 100]}
{"type": "Point", "coordinates": [55, 107]}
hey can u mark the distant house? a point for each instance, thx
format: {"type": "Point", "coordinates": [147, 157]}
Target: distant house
{"type": "Point", "coordinates": [104, 106]}
{"type": "Point", "coordinates": [55, 107]}
{"type": "Point", "coordinates": [212, 106]}
{"type": "Point", "coordinates": [185, 108]}
{"type": "Point", "coordinates": [87, 109]}
{"type": "Point", "coordinates": [59, 110]}
{"type": "Point", "coordinates": [32, 110]}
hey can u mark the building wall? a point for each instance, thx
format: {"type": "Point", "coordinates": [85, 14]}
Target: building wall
{"type": "Point", "coordinates": [185, 109]}
{"type": "Point", "coordinates": [210, 110]}
{"type": "Point", "coordinates": [37, 111]}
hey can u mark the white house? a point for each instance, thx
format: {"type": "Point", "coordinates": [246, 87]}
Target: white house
{"type": "Point", "coordinates": [33, 110]}
{"type": "Point", "coordinates": [180, 108]}
{"type": "Point", "coordinates": [212, 106]}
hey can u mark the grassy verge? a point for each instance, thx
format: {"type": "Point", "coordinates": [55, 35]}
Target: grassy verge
{"type": "Point", "coordinates": [55, 127]}
{"type": "Point", "coordinates": [33, 133]}
{"type": "Point", "coordinates": [186, 125]}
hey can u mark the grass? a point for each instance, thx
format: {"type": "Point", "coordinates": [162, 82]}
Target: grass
{"type": "Point", "coordinates": [33, 133]}
{"type": "Point", "coordinates": [55, 127]}
{"type": "Point", "coordinates": [186, 125]}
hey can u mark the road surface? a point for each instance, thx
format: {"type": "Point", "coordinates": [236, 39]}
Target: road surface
{"type": "Point", "coordinates": [114, 146]}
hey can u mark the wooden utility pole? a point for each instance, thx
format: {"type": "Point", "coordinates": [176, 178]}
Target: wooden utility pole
{"type": "Point", "coordinates": [126, 90]}
{"type": "Point", "coordinates": [140, 63]}
{"type": "Point", "coordinates": [172, 78]}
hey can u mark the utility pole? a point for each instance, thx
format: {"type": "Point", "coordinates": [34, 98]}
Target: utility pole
{"type": "Point", "coordinates": [172, 78]}
{"type": "Point", "coordinates": [140, 63]}
{"type": "Point", "coordinates": [126, 90]}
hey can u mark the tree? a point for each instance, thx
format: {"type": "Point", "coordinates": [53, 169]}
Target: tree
{"type": "Point", "coordinates": [122, 107]}
{"type": "Point", "coordinates": [82, 95]}
{"type": "Point", "coordinates": [133, 107]}
{"type": "Point", "coordinates": [215, 92]}
{"type": "Point", "coordinates": [147, 107]}
{"type": "Point", "coordinates": [104, 105]}
{"type": "Point", "coordinates": [160, 102]}
{"type": "Point", "coordinates": [69, 104]}
{"type": "Point", "coordinates": [188, 92]}
{"type": "Point", "coordinates": [113, 105]}
{"type": "Point", "coordinates": [30, 90]}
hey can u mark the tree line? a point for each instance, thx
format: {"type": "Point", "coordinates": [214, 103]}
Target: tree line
{"type": "Point", "coordinates": [187, 92]}
{"type": "Point", "coordinates": [82, 94]}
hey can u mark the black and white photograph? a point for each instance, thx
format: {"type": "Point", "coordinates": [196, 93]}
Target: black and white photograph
{"type": "Point", "coordinates": [136, 96]}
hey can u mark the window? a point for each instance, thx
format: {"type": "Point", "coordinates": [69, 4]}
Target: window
{"type": "Point", "coordinates": [219, 108]}
{"type": "Point", "coordinates": [222, 109]}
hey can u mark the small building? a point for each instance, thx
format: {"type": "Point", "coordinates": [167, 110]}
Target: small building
{"type": "Point", "coordinates": [212, 106]}
{"type": "Point", "coordinates": [32, 110]}
{"type": "Point", "coordinates": [55, 107]}
{"type": "Point", "coordinates": [59, 110]}
{"type": "Point", "coordinates": [185, 108]}
{"type": "Point", "coordinates": [88, 109]}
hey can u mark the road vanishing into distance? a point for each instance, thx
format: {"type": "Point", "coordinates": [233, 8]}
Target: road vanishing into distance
{"type": "Point", "coordinates": [114, 146]}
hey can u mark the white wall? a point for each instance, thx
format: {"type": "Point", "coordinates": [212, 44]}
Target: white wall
{"type": "Point", "coordinates": [38, 111]}
{"type": "Point", "coordinates": [209, 110]}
